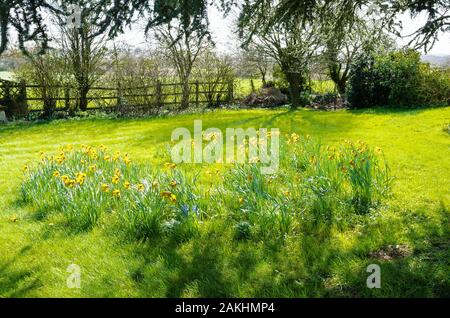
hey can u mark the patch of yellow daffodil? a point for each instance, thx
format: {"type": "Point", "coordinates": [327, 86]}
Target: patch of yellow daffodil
{"type": "Point", "coordinates": [115, 179]}
{"type": "Point", "coordinates": [170, 165]}
{"type": "Point", "coordinates": [170, 196]}
{"type": "Point", "coordinates": [116, 193]}
{"type": "Point", "coordinates": [293, 138]}
{"type": "Point", "coordinates": [80, 177]}
{"type": "Point", "coordinates": [105, 187]}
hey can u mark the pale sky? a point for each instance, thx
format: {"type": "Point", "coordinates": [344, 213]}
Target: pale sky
{"type": "Point", "coordinates": [227, 42]}
{"type": "Point", "coordinates": [222, 32]}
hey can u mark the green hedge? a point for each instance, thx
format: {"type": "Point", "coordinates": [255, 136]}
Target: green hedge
{"type": "Point", "coordinates": [397, 79]}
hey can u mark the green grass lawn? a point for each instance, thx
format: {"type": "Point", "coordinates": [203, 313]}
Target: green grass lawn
{"type": "Point", "coordinates": [35, 252]}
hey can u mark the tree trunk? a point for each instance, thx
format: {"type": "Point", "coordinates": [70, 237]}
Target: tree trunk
{"type": "Point", "coordinates": [341, 86]}
{"type": "Point", "coordinates": [186, 91]}
{"type": "Point", "coordinates": [263, 77]}
{"type": "Point", "coordinates": [83, 101]}
{"type": "Point", "coordinates": [339, 78]}
{"type": "Point", "coordinates": [295, 88]}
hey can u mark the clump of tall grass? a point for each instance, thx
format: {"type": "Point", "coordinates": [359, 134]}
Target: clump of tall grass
{"type": "Point", "coordinates": [315, 184]}
{"type": "Point", "coordinates": [88, 183]}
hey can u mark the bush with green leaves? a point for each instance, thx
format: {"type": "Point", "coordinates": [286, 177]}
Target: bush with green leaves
{"type": "Point", "coordinates": [396, 79]}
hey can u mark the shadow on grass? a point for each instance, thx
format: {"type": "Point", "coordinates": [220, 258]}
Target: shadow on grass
{"type": "Point", "coordinates": [424, 273]}
{"type": "Point", "coordinates": [380, 110]}
{"type": "Point", "coordinates": [16, 282]}
{"type": "Point", "coordinates": [204, 270]}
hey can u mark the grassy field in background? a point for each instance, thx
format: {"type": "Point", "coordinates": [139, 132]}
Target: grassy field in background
{"type": "Point", "coordinates": [35, 252]}
{"type": "Point", "coordinates": [244, 87]}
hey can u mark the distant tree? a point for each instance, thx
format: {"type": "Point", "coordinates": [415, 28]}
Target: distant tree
{"type": "Point", "coordinates": [344, 45]}
{"type": "Point", "coordinates": [258, 60]}
{"type": "Point", "coordinates": [184, 45]}
{"type": "Point", "coordinates": [292, 44]}
{"type": "Point", "coordinates": [136, 73]}
{"type": "Point", "coordinates": [47, 72]}
{"type": "Point", "coordinates": [83, 49]}
{"type": "Point", "coordinates": [213, 73]}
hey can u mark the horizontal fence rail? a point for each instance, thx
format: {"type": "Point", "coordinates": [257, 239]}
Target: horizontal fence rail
{"type": "Point", "coordinates": [34, 97]}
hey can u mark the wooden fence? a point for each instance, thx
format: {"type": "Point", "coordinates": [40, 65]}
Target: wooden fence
{"type": "Point", "coordinates": [32, 98]}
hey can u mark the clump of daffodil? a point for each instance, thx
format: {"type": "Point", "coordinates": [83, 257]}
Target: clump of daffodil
{"type": "Point", "coordinates": [170, 165]}
{"type": "Point", "coordinates": [170, 196]}
{"type": "Point", "coordinates": [116, 156]}
{"type": "Point", "coordinates": [56, 174]}
{"type": "Point", "coordinates": [173, 183]}
{"type": "Point", "coordinates": [115, 179]}
{"type": "Point", "coordinates": [116, 193]}
{"type": "Point", "coordinates": [105, 187]}
{"type": "Point", "coordinates": [93, 168]}
{"type": "Point", "coordinates": [141, 187]}
{"type": "Point", "coordinates": [127, 160]}
{"type": "Point", "coordinates": [80, 177]}
{"type": "Point", "coordinates": [70, 183]}
{"type": "Point", "coordinates": [127, 185]}
{"type": "Point", "coordinates": [293, 138]}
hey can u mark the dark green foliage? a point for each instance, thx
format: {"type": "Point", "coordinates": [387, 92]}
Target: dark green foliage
{"type": "Point", "coordinates": [435, 85]}
{"type": "Point", "coordinates": [397, 76]}
{"type": "Point", "coordinates": [397, 79]}
{"type": "Point", "coordinates": [242, 230]}
{"type": "Point", "coordinates": [361, 84]}
{"type": "Point", "coordinates": [26, 18]}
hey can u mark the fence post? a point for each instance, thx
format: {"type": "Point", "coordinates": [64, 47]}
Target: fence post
{"type": "Point", "coordinates": [230, 91]}
{"type": "Point", "coordinates": [158, 94]}
{"type": "Point", "coordinates": [67, 98]}
{"type": "Point", "coordinates": [175, 92]}
{"type": "Point", "coordinates": [119, 97]}
{"type": "Point", "coordinates": [22, 99]}
{"type": "Point", "coordinates": [252, 84]}
{"type": "Point", "coordinates": [197, 101]}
